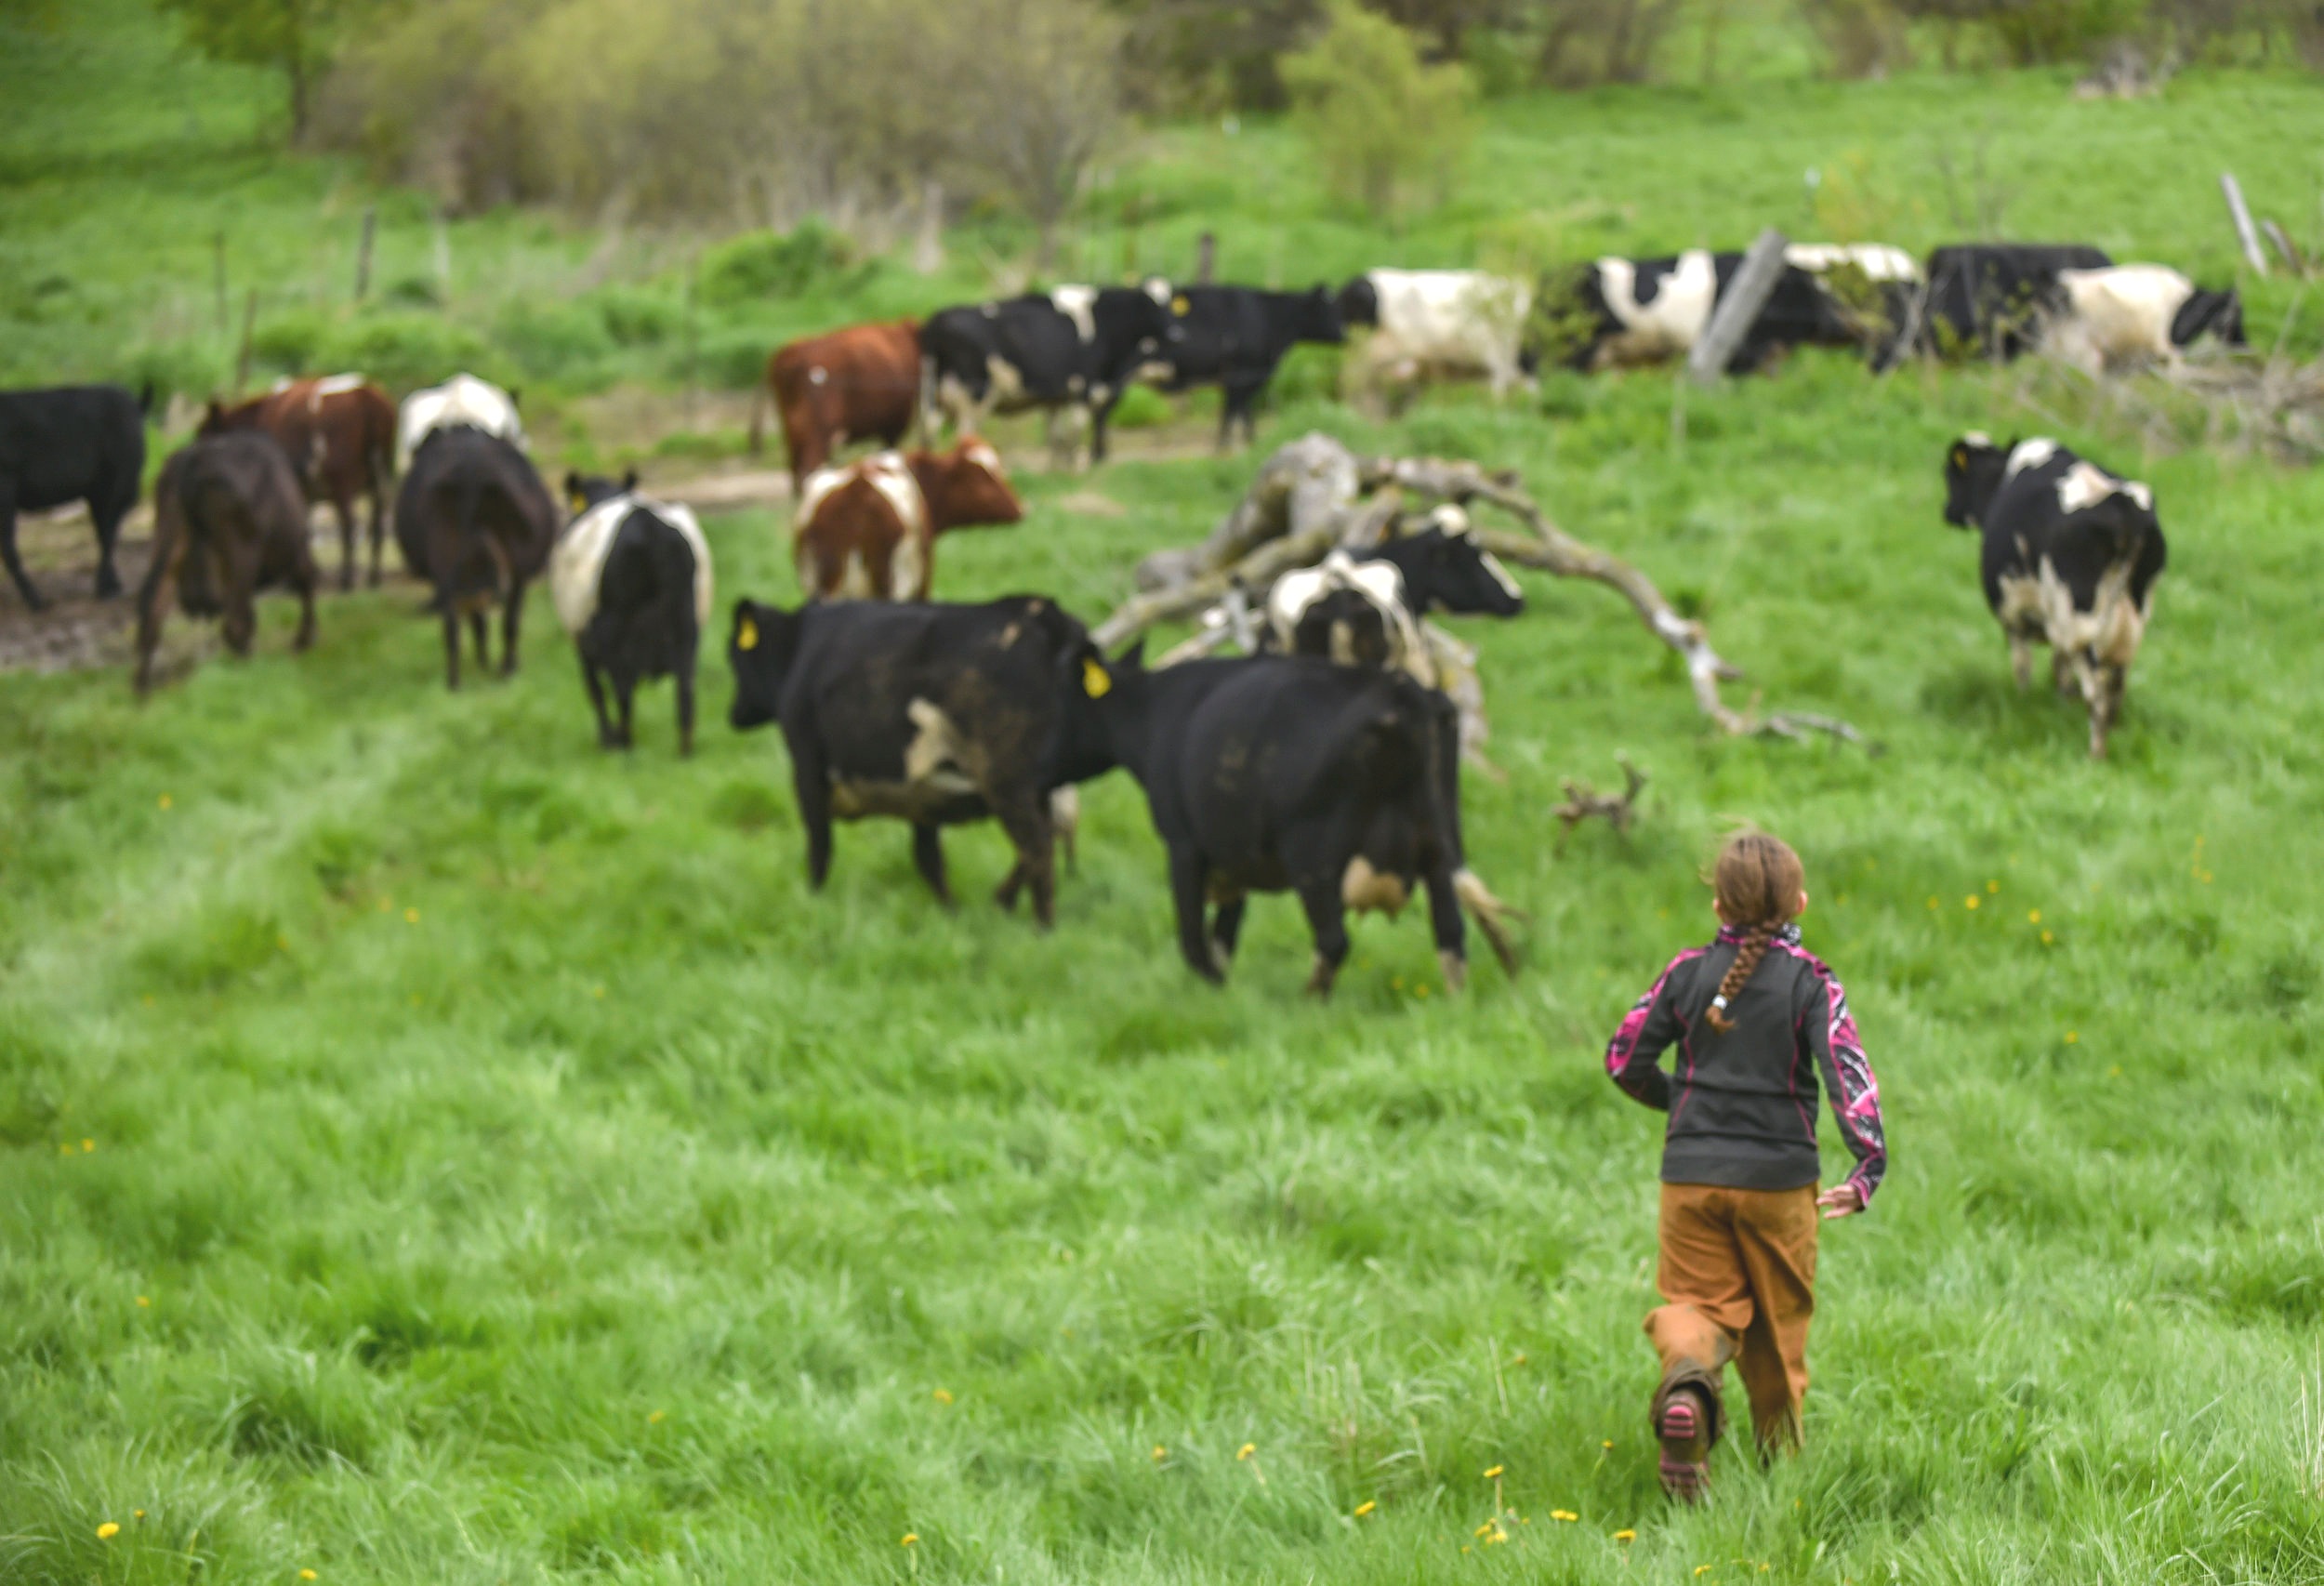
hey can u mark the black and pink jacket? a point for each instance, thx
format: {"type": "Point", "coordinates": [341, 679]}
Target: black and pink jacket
{"type": "Point", "coordinates": [1742, 1105]}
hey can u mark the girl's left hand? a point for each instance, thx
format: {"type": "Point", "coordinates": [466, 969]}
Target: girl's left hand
{"type": "Point", "coordinates": [1841, 1200]}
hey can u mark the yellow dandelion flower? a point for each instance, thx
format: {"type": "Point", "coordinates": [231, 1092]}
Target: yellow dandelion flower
{"type": "Point", "coordinates": [597, 992]}
{"type": "Point", "coordinates": [1993, 886]}
{"type": "Point", "coordinates": [411, 916]}
{"type": "Point", "coordinates": [282, 941]}
{"type": "Point", "coordinates": [386, 903]}
{"type": "Point", "coordinates": [1420, 990]}
{"type": "Point", "coordinates": [306, 1574]}
{"type": "Point", "coordinates": [1481, 1529]}
{"type": "Point", "coordinates": [143, 1301]}
{"type": "Point", "coordinates": [1464, 1546]}
{"type": "Point", "coordinates": [1970, 902]}
{"type": "Point", "coordinates": [1520, 1360]}
{"type": "Point", "coordinates": [943, 1396]}
{"type": "Point", "coordinates": [1491, 1474]}
{"type": "Point", "coordinates": [1626, 1536]}
{"type": "Point", "coordinates": [1160, 1452]}
{"type": "Point", "coordinates": [1365, 1507]}
{"type": "Point", "coordinates": [2115, 1072]}
{"type": "Point", "coordinates": [64, 1148]}
{"type": "Point", "coordinates": [1395, 983]}
{"type": "Point", "coordinates": [1247, 1450]}
{"type": "Point", "coordinates": [165, 800]}
{"type": "Point", "coordinates": [1702, 1569]}
{"type": "Point", "coordinates": [908, 1540]}
{"type": "Point", "coordinates": [2047, 938]}
{"type": "Point", "coordinates": [1568, 1515]}
{"type": "Point", "coordinates": [136, 1515]}
{"type": "Point", "coordinates": [655, 1419]}
{"type": "Point", "coordinates": [2072, 1037]}
{"type": "Point", "coordinates": [2033, 916]}
{"type": "Point", "coordinates": [1933, 903]}
{"type": "Point", "coordinates": [88, 1146]}
{"type": "Point", "coordinates": [1606, 1444]}
{"type": "Point", "coordinates": [109, 1530]}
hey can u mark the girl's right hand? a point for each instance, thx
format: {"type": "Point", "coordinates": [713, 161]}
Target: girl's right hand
{"type": "Point", "coordinates": [1841, 1200]}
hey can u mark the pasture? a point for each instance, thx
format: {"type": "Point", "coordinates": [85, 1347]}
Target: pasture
{"type": "Point", "coordinates": [433, 1150]}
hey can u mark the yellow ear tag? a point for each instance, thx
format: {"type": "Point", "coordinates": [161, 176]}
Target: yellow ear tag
{"type": "Point", "coordinates": [1179, 305]}
{"type": "Point", "coordinates": [1094, 682]}
{"type": "Point", "coordinates": [1961, 457]}
{"type": "Point", "coordinates": [580, 502]}
{"type": "Point", "coordinates": [746, 637]}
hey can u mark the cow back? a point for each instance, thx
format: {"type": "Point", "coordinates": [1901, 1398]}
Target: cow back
{"type": "Point", "coordinates": [576, 566]}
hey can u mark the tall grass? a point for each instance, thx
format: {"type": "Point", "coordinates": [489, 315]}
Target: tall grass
{"type": "Point", "coordinates": [434, 1151]}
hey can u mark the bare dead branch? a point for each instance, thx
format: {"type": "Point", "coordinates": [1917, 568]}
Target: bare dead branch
{"type": "Point", "coordinates": [1583, 802]}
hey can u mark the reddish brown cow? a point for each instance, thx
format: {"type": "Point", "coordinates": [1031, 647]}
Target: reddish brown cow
{"type": "Point", "coordinates": [858, 384]}
{"type": "Point", "coordinates": [867, 530]}
{"type": "Point", "coordinates": [340, 435]}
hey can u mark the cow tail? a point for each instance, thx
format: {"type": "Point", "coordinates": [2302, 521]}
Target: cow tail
{"type": "Point", "coordinates": [758, 415]}
{"type": "Point", "coordinates": [927, 401]}
{"type": "Point", "coordinates": [145, 400]}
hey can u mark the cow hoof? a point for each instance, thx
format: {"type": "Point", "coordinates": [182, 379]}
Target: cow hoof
{"type": "Point", "coordinates": [108, 589]}
{"type": "Point", "coordinates": [1456, 970]}
{"type": "Point", "coordinates": [1319, 980]}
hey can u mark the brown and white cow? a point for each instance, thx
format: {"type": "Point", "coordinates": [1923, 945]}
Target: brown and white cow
{"type": "Point", "coordinates": [867, 530]}
{"type": "Point", "coordinates": [862, 383]}
{"type": "Point", "coordinates": [340, 435]}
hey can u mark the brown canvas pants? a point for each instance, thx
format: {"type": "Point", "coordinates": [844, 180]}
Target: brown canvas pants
{"type": "Point", "coordinates": [1738, 1271]}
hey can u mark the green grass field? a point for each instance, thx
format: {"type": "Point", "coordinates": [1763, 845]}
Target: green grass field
{"type": "Point", "coordinates": [432, 1151]}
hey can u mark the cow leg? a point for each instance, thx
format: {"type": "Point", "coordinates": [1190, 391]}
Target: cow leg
{"type": "Point", "coordinates": [1100, 415]}
{"type": "Point", "coordinates": [813, 786]}
{"type": "Point", "coordinates": [108, 521]}
{"type": "Point", "coordinates": [304, 579]}
{"type": "Point", "coordinates": [512, 617]}
{"type": "Point", "coordinates": [1328, 918]}
{"type": "Point", "coordinates": [2061, 672]}
{"type": "Point", "coordinates": [379, 518]}
{"type": "Point", "coordinates": [1027, 822]}
{"type": "Point", "coordinates": [343, 507]}
{"type": "Point", "coordinates": [2021, 661]}
{"type": "Point", "coordinates": [1188, 875]}
{"type": "Point", "coordinates": [480, 631]}
{"type": "Point", "coordinates": [625, 697]}
{"type": "Point", "coordinates": [153, 601]}
{"type": "Point", "coordinates": [451, 640]}
{"type": "Point", "coordinates": [1444, 922]}
{"type": "Point", "coordinates": [685, 711]}
{"type": "Point", "coordinates": [597, 702]}
{"type": "Point", "coordinates": [1226, 928]}
{"type": "Point", "coordinates": [7, 548]}
{"type": "Point", "coordinates": [928, 857]}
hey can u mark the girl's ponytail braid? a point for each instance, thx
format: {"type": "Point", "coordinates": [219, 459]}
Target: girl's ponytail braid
{"type": "Point", "coordinates": [1747, 958]}
{"type": "Point", "coordinates": [1758, 878]}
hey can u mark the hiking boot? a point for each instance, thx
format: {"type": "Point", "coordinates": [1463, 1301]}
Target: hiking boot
{"type": "Point", "coordinates": [1684, 1430]}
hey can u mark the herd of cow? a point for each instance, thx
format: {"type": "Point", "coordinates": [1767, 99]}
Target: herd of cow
{"type": "Point", "coordinates": [1325, 765]}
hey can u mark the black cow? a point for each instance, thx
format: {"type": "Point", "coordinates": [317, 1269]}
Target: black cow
{"type": "Point", "coordinates": [1274, 773]}
{"type": "Point", "coordinates": [1074, 349]}
{"type": "Point", "coordinates": [70, 444]}
{"type": "Point", "coordinates": [229, 519]}
{"type": "Point", "coordinates": [1348, 610]}
{"type": "Point", "coordinates": [1643, 310]}
{"type": "Point", "coordinates": [933, 713]}
{"type": "Point", "coordinates": [1980, 299]}
{"type": "Point", "coordinates": [1234, 337]}
{"type": "Point", "coordinates": [2071, 558]}
{"type": "Point", "coordinates": [474, 520]}
{"type": "Point", "coordinates": [631, 582]}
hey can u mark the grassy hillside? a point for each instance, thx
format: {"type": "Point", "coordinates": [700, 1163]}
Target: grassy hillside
{"type": "Point", "coordinates": [433, 1151]}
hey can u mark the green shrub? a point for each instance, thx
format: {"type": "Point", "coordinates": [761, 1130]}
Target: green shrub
{"type": "Point", "coordinates": [1141, 407]}
{"type": "Point", "coordinates": [1389, 131]}
{"type": "Point", "coordinates": [732, 358]}
{"type": "Point", "coordinates": [403, 351]}
{"type": "Point", "coordinates": [415, 291]}
{"type": "Point", "coordinates": [566, 342]}
{"type": "Point", "coordinates": [759, 265]}
{"type": "Point", "coordinates": [288, 342]}
{"type": "Point", "coordinates": [176, 368]}
{"type": "Point", "coordinates": [2043, 32]}
{"type": "Point", "coordinates": [635, 317]}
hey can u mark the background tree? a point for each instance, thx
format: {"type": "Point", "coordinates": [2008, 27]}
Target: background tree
{"type": "Point", "coordinates": [1039, 94]}
{"type": "Point", "coordinates": [1387, 128]}
{"type": "Point", "coordinates": [294, 37]}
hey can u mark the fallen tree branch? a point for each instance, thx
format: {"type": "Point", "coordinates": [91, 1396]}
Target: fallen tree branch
{"type": "Point", "coordinates": [1582, 802]}
{"type": "Point", "coordinates": [1314, 495]}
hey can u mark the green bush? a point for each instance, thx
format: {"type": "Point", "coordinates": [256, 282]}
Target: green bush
{"type": "Point", "coordinates": [403, 351]}
{"type": "Point", "coordinates": [635, 317]}
{"type": "Point", "coordinates": [1141, 407]}
{"type": "Point", "coordinates": [759, 265]}
{"type": "Point", "coordinates": [290, 341]}
{"type": "Point", "coordinates": [176, 368]}
{"type": "Point", "coordinates": [566, 342]}
{"type": "Point", "coordinates": [2044, 31]}
{"type": "Point", "coordinates": [731, 358]}
{"type": "Point", "coordinates": [1389, 131]}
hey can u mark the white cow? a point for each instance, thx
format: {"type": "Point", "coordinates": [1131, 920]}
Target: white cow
{"type": "Point", "coordinates": [1382, 587]}
{"type": "Point", "coordinates": [1879, 261]}
{"type": "Point", "coordinates": [1441, 324]}
{"type": "Point", "coordinates": [1671, 319]}
{"type": "Point", "coordinates": [576, 566]}
{"type": "Point", "coordinates": [463, 399]}
{"type": "Point", "coordinates": [2136, 314]}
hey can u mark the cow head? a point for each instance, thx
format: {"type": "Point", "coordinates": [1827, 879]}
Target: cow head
{"type": "Point", "coordinates": [1135, 324]}
{"type": "Point", "coordinates": [1359, 302]}
{"type": "Point", "coordinates": [966, 487]}
{"type": "Point", "coordinates": [1973, 474]}
{"type": "Point", "coordinates": [2216, 313]}
{"type": "Point", "coordinates": [758, 650]}
{"type": "Point", "coordinates": [1099, 702]}
{"type": "Point", "coordinates": [1444, 569]}
{"type": "Point", "coordinates": [585, 491]}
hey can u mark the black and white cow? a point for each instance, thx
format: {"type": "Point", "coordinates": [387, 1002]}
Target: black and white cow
{"type": "Point", "coordinates": [1981, 299]}
{"type": "Point", "coordinates": [931, 713]}
{"type": "Point", "coordinates": [2131, 314]}
{"type": "Point", "coordinates": [2070, 557]}
{"type": "Point", "coordinates": [1651, 310]}
{"type": "Point", "coordinates": [1439, 325]}
{"type": "Point", "coordinates": [1275, 774]}
{"type": "Point", "coordinates": [632, 585]}
{"type": "Point", "coordinates": [70, 444]}
{"type": "Point", "coordinates": [1234, 337]}
{"type": "Point", "coordinates": [1071, 351]}
{"type": "Point", "coordinates": [1366, 610]}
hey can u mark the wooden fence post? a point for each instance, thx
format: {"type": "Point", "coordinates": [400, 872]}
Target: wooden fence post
{"type": "Point", "coordinates": [218, 275]}
{"type": "Point", "coordinates": [241, 358]}
{"type": "Point", "coordinates": [2241, 215]}
{"type": "Point", "coordinates": [1738, 310]}
{"type": "Point", "coordinates": [1206, 258]}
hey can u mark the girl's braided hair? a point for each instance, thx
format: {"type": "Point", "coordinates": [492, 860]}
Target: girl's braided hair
{"type": "Point", "coordinates": [1758, 880]}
